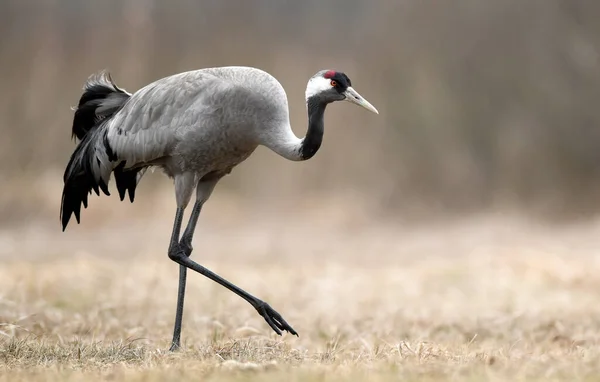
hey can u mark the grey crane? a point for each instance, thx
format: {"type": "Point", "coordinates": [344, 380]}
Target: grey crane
{"type": "Point", "coordinates": [196, 126]}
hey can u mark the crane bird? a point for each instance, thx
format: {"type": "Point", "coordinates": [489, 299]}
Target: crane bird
{"type": "Point", "coordinates": [196, 126]}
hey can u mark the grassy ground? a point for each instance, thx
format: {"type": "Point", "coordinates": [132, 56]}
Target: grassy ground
{"type": "Point", "coordinates": [480, 300]}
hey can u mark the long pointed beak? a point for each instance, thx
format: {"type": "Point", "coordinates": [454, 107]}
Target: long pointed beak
{"type": "Point", "coordinates": [353, 96]}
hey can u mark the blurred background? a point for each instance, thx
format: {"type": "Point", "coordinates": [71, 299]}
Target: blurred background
{"type": "Point", "coordinates": [465, 214]}
{"type": "Point", "coordinates": [485, 106]}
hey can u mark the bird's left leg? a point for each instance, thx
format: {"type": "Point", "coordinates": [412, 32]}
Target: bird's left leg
{"type": "Point", "coordinates": [274, 319]}
{"type": "Point", "coordinates": [178, 254]}
{"type": "Point", "coordinates": [203, 192]}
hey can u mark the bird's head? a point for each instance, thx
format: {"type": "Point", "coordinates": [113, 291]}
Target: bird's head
{"type": "Point", "coordinates": [328, 86]}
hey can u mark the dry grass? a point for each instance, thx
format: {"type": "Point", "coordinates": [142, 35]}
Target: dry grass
{"type": "Point", "coordinates": [483, 300]}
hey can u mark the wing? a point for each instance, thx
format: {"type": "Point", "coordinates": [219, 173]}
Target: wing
{"type": "Point", "coordinates": [155, 118]}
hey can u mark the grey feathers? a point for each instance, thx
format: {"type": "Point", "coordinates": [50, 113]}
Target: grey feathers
{"type": "Point", "coordinates": [198, 122]}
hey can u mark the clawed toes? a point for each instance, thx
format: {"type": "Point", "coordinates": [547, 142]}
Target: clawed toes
{"type": "Point", "coordinates": [274, 319]}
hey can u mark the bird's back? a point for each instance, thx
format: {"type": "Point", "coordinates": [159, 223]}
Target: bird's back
{"type": "Point", "coordinates": [200, 122]}
{"type": "Point", "coordinates": [195, 113]}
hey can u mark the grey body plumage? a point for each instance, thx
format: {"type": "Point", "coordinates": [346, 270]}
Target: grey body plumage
{"type": "Point", "coordinates": [192, 124]}
{"type": "Point", "coordinates": [196, 126]}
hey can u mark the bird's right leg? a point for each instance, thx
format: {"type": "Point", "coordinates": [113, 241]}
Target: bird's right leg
{"type": "Point", "coordinates": [274, 319]}
{"type": "Point", "coordinates": [178, 254]}
{"type": "Point", "coordinates": [203, 192]}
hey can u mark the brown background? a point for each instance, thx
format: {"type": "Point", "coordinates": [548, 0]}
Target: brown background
{"type": "Point", "coordinates": [484, 105]}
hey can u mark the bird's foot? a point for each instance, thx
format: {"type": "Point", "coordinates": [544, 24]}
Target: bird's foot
{"type": "Point", "coordinates": [175, 347]}
{"type": "Point", "coordinates": [185, 244]}
{"type": "Point", "coordinates": [274, 319]}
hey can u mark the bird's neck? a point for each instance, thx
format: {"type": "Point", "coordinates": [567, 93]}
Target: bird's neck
{"type": "Point", "coordinates": [283, 141]}
{"type": "Point", "coordinates": [316, 126]}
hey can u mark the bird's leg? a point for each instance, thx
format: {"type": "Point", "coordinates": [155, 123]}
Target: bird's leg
{"type": "Point", "coordinates": [185, 244]}
{"type": "Point", "coordinates": [204, 189]}
{"type": "Point", "coordinates": [177, 254]}
{"type": "Point", "coordinates": [174, 246]}
{"type": "Point", "coordinates": [188, 233]}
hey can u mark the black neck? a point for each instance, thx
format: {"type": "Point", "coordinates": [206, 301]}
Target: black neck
{"type": "Point", "coordinates": [316, 125]}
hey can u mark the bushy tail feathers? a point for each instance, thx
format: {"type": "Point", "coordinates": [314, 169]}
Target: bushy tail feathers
{"type": "Point", "coordinates": [92, 162]}
{"type": "Point", "coordinates": [101, 99]}
{"type": "Point", "coordinates": [88, 169]}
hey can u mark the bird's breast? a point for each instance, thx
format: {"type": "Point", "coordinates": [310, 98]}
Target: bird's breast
{"type": "Point", "coordinates": [213, 149]}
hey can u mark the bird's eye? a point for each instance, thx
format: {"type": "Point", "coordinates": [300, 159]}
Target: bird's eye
{"type": "Point", "coordinates": [333, 83]}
